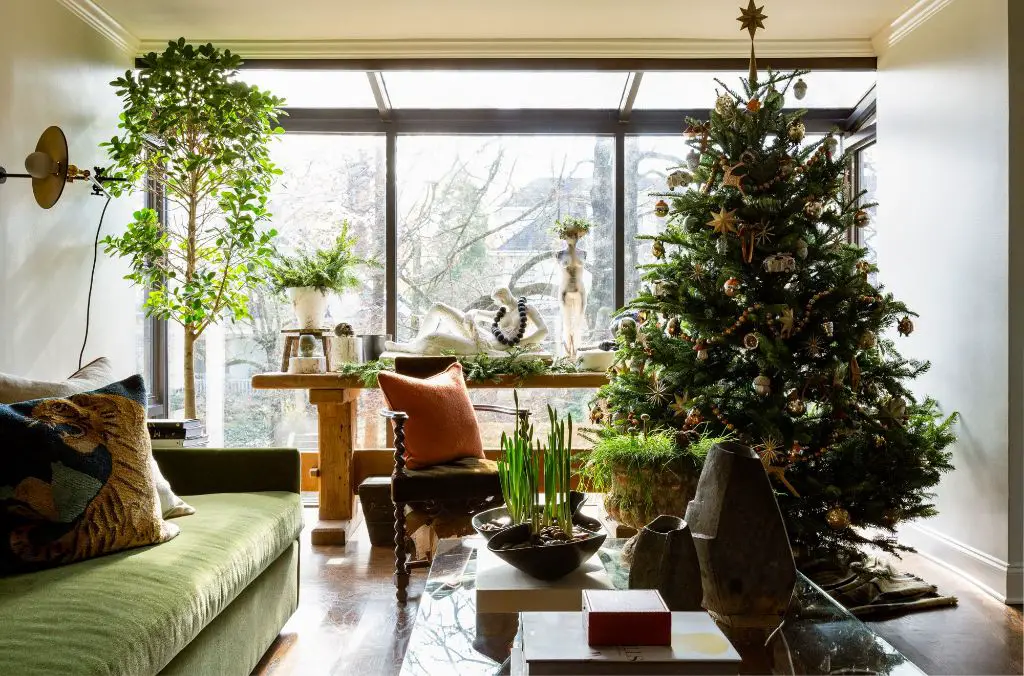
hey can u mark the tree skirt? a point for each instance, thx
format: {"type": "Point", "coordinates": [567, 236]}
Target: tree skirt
{"type": "Point", "coordinates": [873, 589]}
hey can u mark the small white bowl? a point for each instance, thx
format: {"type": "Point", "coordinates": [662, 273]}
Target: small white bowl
{"type": "Point", "coordinates": [596, 360]}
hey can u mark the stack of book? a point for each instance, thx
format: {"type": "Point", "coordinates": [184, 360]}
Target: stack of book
{"type": "Point", "coordinates": [180, 433]}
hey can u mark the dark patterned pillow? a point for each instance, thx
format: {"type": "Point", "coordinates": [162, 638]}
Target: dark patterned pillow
{"type": "Point", "coordinates": [76, 479]}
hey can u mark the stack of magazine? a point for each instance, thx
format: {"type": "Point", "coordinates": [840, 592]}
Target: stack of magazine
{"type": "Point", "coordinates": [177, 433]}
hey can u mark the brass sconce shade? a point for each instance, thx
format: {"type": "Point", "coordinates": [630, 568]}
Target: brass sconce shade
{"type": "Point", "coordinates": [49, 169]}
{"type": "Point", "coordinates": [48, 179]}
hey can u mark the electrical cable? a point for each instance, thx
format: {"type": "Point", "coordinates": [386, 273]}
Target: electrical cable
{"type": "Point", "coordinates": [92, 278]}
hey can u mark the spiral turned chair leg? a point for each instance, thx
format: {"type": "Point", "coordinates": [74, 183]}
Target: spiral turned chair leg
{"type": "Point", "coordinates": [401, 555]}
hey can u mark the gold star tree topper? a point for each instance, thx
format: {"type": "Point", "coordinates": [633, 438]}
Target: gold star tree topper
{"type": "Point", "coordinates": [750, 20]}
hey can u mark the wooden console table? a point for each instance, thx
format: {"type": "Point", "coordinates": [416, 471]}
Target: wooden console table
{"type": "Point", "coordinates": [335, 397]}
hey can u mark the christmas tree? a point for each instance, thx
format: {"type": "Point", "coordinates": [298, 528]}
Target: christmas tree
{"type": "Point", "coordinates": [757, 320]}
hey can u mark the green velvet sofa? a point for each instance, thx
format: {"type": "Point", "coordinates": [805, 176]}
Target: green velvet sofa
{"type": "Point", "coordinates": [210, 601]}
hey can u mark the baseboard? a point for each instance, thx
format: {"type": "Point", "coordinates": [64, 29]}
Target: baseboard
{"type": "Point", "coordinates": [992, 575]}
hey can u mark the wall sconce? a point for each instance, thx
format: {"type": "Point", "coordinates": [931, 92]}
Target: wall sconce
{"type": "Point", "coordinates": [49, 169]}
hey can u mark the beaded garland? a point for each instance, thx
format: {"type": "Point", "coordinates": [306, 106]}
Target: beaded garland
{"type": "Point", "coordinates": [499, 333]}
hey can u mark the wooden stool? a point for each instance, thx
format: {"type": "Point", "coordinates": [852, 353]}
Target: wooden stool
{"type": "Point", "coordinates": [291, 345]}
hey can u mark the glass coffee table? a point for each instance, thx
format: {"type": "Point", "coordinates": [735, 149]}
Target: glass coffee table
{"type": "Point", "coordinates": [818, 635]}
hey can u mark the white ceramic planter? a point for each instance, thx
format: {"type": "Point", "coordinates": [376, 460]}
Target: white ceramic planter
{"type": "Point", "coordinates": [310, 306]}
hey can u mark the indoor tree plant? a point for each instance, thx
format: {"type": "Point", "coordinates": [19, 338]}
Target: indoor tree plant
{"type": "Point", "coordinates": [191, 133]}
{"type": "Point", "coordinates": [309, 276]}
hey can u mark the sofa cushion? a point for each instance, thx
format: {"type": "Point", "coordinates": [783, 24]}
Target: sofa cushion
{"type": "Point", "coordinates": [76, 478]}
{"type": "Point", "coordinates": [130, 613]}
{"type": "Point", "coordinates": [92, 376]}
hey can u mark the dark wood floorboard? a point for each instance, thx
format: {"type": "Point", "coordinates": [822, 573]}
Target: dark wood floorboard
{"type": "Point", "coordinates": [349, 623]}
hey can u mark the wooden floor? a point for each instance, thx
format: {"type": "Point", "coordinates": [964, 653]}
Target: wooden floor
{"type": "Point", "coordinates": [348, 621]}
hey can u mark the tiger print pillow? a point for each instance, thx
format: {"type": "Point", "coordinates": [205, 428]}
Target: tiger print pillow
{"type": "Point", "coordinates": [76, 478]}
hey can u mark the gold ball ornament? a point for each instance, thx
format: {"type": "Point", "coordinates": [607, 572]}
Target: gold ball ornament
{"type": "Point", "coordinates": [838, 518]}
{"type": "Point", "coordinates": [725, 105]}
{"type": "Point", "coordinates": [731, 287]}
{"type": "Point", "coordinates": [905, 327]}
{"type": "Point", "coordinates": [814, 209]}
{"type": "Point", "coordinates": [763, 385]}
{"type": "Point", "coordinates": [661, 209]}
{"type": "Point", "coordinates": [796, 406]}
{"type": "Point", "coordinates": [796, 131]}
{"type": "Point", "coordinates": [751, 341]}
{"type": "Point", "coordinates": [861, 218]}
{"type": "Point", "coordinates": [658, 249]}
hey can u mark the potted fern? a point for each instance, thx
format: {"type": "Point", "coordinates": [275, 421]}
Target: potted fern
{"type": "Point", "coordinates": [545, 535]}
{"type": "Point", "coordinates": [309, 276]}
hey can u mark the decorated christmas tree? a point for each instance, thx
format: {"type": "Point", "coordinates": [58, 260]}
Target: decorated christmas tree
{"type": "Point", "coordinates": [757, 320]}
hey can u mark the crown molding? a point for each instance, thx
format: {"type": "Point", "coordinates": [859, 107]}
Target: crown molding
{"type": "Point", "coordinates": [104, 24]}
{"type": "Point", "coordinates": [587, 48]}
{"type": "Point", "coordinates": [907, 23]}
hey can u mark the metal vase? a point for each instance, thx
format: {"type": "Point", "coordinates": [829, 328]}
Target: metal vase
{"type": "Point", "coordinates": [373, 346]}
{"type": "Point", "coordinates": [664, 558]}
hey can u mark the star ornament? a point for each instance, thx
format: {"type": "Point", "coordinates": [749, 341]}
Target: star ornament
{"type": "Point", "coordinates": [679, 406]}
{"type": "Point", "coordinates": [751, 18]}
{"type": "Point", "coordinates": [724, 222]}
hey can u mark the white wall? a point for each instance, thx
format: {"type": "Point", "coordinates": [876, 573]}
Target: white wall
{"type": "Point", "coordinates": [54, 69]}
{"type": "Point", "coordinates": [944, 247]}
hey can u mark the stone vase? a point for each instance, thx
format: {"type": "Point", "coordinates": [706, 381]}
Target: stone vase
{"type": "Point", "coordinates": [746, 563]}
{"type": "Point", "coordinates": [664, 558]}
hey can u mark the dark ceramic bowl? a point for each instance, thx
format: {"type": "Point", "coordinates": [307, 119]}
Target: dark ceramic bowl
{"type": "Point", "coordinates": [547, 562]}
{"type": "Point", "coordinates": [499, 516]}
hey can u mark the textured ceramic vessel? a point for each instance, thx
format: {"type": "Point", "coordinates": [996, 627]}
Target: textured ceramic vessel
{"type": "Point", "coordinates": [310, 306]}
{"type": "Point", "coordinates": [665, 558]}
{"type": "Point", "coordinates": [746, 563]}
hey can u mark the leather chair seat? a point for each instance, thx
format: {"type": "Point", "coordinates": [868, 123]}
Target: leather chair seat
{"type": "Point", "coordinates": [463, 478]}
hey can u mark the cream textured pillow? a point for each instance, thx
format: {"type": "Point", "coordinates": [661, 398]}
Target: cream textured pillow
{"type": "Point", "coordinates": [93, 376]}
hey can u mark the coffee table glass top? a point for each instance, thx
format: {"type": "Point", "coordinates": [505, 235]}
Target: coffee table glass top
{"type": "Point", "coordinates": [818, 636]}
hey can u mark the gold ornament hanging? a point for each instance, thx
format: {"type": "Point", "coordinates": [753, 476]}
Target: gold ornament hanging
{"type": "Point", "coordinates": [838, 518]}
{"type": "Point", "coordinates": [814, 209]}
{"type": "Point", "coordinates": [796, 131]}
{"type": "Point", "coordinates": [658, 249]}
{"type": "Point", "coordinates": [861, 218]}
{"type": "Point", "coordinates": [672, 327]}
{"type": "Point", "coordinates": [905, 327]}
{"type": "Point", "coordinates": [768, 450]}
{"type": "Point", "coordinates": [731, 287]}
{"type": "Point", "coordinates": [751, 341]}
{"type": "Point", "coordinates": [661, 209]}
{"type": "Point", "coordinates": [795, 406]}
{"type": "Point", "coordinates": [763, 385]}
{"type": "Point", "coordinates": [725, 105]}
{"type": "Point", "coordinates": [724, 222]}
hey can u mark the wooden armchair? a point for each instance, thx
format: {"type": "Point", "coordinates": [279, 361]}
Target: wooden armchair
{"type": "Point", "coordinates": [469, 484]}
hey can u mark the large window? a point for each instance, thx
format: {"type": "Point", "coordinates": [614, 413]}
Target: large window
{"type": "Point", "coordinates": [476, 213]}
{"type": "Point", "coordinates": [454, 177]}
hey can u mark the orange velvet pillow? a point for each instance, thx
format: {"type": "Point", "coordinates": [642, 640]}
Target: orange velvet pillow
{"type": "Point", "coordinates": [442, 426]}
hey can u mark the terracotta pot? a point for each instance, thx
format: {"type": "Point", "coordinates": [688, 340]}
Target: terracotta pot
{"type": "Point", "coordinates": [638, 496]}
{"type": "Point", "coordinates": [310, 306]}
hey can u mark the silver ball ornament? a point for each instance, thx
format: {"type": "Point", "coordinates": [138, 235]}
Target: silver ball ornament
{"type": "Point", "coordinates": [693, 160]}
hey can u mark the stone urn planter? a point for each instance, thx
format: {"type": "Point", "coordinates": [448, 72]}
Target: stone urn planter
{"type": "Point", "coordinates": [310, 306]}
{"type": "Point", "coordinates": [638, 495]}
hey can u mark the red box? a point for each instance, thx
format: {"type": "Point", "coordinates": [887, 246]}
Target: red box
{"type": "Point", "coordinates": [626, 617]}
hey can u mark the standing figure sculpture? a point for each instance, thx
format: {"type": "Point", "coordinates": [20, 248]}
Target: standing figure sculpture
{"type": "Point", "coordinates": [572, 292]}
{"type": "Point", "coordinates": [446, 329]}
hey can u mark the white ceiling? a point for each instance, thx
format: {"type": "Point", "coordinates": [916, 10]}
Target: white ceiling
{"type": "Point", "coordinates": [307, 20]}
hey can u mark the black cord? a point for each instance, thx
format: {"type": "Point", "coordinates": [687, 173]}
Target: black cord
{"type": "Point", "coordinates": [92, 279]}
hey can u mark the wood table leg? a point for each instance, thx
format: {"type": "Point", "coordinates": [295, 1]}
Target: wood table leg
{"type": "Point", "coordinates": [337, 425]}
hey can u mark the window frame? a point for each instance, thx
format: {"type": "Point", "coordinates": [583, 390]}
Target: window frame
{"type": "Point", "coordinates": [618, 123]}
